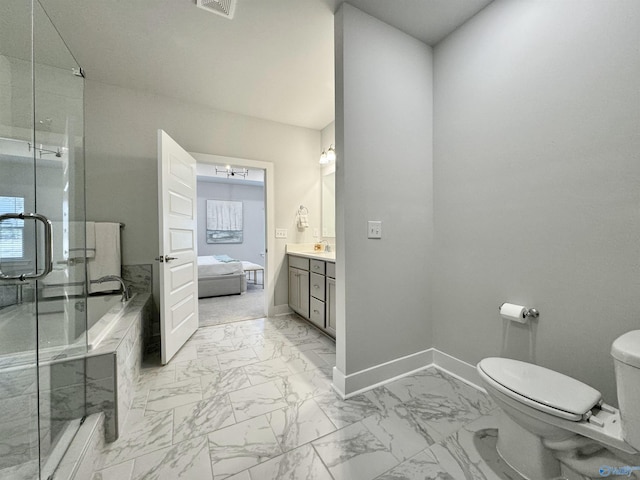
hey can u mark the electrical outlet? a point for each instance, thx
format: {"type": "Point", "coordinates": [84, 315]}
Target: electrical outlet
{"type": "Point", "coordinates": [374, 229]}
{"type": "Point", "coordinates": [281, 233]}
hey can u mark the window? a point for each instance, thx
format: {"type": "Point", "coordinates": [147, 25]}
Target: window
{"type": "Point", "coordinates": [11, 231]}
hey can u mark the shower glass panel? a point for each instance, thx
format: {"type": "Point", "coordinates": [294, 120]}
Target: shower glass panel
{"type": "Point", "coordinates": [42, 321]}
{"type": "Point", "coordinates": [19, 434]}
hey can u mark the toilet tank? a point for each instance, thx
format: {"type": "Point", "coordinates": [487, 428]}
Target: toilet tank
{"type": "Point", "coordinates": [626, 354]}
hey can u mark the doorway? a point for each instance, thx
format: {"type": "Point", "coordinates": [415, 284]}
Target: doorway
{"type": "Point", "coordinates": [248, 187]}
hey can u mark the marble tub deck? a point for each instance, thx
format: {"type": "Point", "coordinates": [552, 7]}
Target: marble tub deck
{"type": "Point", "coordinates": [252, 400]}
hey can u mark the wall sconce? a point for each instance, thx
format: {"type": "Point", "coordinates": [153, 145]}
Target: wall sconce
{"type": "Point", "coordinates": [328, 156]}
{"type": "Point", "coordinates": [232, 172]}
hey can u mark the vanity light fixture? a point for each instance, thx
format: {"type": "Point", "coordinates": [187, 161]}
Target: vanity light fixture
{"type": "Point", "coordinates": [232, 172]}
{"type": "Point", "coordinates": [328, 156]}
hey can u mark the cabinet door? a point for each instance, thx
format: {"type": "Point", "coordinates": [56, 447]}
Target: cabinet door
{"type": "Point", "coordinates": [303, 285]}
{"type": "Point", "coordinates": [299, 291]}
{"type": "Point", "coordinates": [294, 289]}
{"type": "Point", "coordinates": [331, 306]}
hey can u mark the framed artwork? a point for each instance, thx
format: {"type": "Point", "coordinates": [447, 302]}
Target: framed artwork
{"type": "Point", "coordinates": [224, 221]}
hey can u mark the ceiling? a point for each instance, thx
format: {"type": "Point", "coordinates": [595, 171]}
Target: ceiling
{"type": "Point", "coordinates": [273, 60]}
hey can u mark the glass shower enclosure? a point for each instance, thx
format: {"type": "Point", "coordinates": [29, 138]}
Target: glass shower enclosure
{"type": "Point", "coordinates": [42, 244]}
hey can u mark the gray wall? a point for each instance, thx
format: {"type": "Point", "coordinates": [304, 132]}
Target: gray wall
{"type": "Point", "coordinates": [252, 198]}
{"type": "Point", "coordinates": [121, 165]}
{"type": "Point", "coordinates": [537, 181]}
{"type": "Point", "coordinates": [384, 172]}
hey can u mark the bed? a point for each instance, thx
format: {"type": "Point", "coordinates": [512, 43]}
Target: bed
{"type": "Point", "coordinates": [220, 275]}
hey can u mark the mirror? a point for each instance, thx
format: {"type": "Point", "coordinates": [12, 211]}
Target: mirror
{"type": "Point", "coordinates": [329, 202]}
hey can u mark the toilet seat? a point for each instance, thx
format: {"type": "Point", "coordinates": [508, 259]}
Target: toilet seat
{"type": "Point", "coordinates": [540, 388]}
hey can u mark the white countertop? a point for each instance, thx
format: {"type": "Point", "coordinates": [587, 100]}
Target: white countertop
{"type": "Point", "coordinates": [306, 250]}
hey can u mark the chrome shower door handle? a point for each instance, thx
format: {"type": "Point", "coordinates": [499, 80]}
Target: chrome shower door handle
{"type": "Point", "coordinates": [48, 245]}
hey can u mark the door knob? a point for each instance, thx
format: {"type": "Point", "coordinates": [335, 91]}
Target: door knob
{"type": "Point", "coordinates": [168, 258]}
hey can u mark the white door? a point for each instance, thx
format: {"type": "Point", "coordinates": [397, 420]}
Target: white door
{"type": "Point", "coordinates": [178, 256]}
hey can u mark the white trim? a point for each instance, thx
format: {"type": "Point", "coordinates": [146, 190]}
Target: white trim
{"type": "Point", "coordinates": [457, 368]}
{"type": "Point", "coordinates": [280, 310]}
{"type": "Point", "coordinates": [347, 386]}
{"type": "Point", "coordinates": [270, 215]}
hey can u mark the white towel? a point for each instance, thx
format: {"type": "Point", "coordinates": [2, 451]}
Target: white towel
{"type": "Point", "coordinates": [107, 257]}
{"type": "Point", "coordinates": [91, 239]}
{"type": "Point", "coordinates": [303, 220]}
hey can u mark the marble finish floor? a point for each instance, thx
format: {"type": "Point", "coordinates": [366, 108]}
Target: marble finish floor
{"type": "Point", "coordinates": [252, 400]}
{"type": "Point", "coordinates": [232, 308]}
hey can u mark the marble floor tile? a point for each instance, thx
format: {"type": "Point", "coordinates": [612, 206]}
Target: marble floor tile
{"type": "Point", "coordinates": [423, 466]}
{"type": "Point", "coordinates": [142, 434]}
{"type": "Point", "coordinates": [187, 352]}
{"type": "Point", "coordinates": [211, 349]}
{"type": "Point", "coordinates": [303, 361]}
{"type": "Point", "coordinates": [23, 471]}
{"type": "Point", "coordinates": [238, 358]}
{"type": "Point", "coordinates": [303, 463]}
{"type": "Point", "coordinates": [266, 371]}
{"type": "Point", "coordinates": [419, 384]}
{"type": "Point", "coordinates": [354, 453]}
{"type": "Point", "coordinates": [400, 432]}
{"type": "Point", "coordinates": [328, 355]}
{"type": "Point", "coordinates": [252, 400]}
{"type": "Point", "coordinates": [185, 460]}
{"type": "Point", "coordinates": [271, 348]}
{"type": "Point", "coordinates": [206, 416]}
{"type": "Point", "coordinates": [244, 475]}
{"type": "Point", "coordinates": [472, 397]}
{"type": "Point", "coordinates": [224, 381]}
{"type": "Point", "coordinates": [241, 446]}
{"type": "Point", "coordinates": [443, 413]}
{"type": "Point", "coordinates": [345, 412]}
{"type": "Point", "coordinates": [257, 400]}
{"type": "Point", "coordinates": [156, 377]}
{"type": "Point", "coordinates": [196, 368]}
{"type": "Point", "coordinates": [217, 333]}
{"type": "Point", "coordinates": [173, 395]}
{"type": "Point", "coordinates": [300, 387]}
{"type": "Point", "coordinates": [299, 424]}
{"type": "Point", "coordinates": [471, 452]}
{"type": "Point", "coordinates": [122, 471]}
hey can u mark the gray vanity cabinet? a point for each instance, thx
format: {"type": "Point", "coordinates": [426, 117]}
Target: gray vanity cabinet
{"type": "Point", "coordinates": [331, 307]}
{"type": "Point", "coordinates": [299, 285]}
{"type": "Point", "coordinates": [312, 291]}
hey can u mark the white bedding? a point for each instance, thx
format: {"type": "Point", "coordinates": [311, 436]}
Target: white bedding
{"type": "Point", "coordinates": [208, 266]}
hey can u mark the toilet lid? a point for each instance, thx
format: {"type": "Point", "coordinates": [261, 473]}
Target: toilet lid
{"type": "Point", "coordinates": [542, 386]}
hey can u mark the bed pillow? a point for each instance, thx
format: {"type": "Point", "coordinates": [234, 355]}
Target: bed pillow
{"type": "Point", "coordinates": [224, 258]}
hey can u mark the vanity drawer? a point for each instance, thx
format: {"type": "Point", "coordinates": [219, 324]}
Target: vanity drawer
{"type": "Point", "coordinates": [330, 270]}
{"type": "Point", "coordinates": [317, 286]}
{"type": "Point", "coordinates": [317, 312]}
{"type": "Point", "coordinates": [299, 262]}
{"type": "Point", "coordinates": [317, 266]}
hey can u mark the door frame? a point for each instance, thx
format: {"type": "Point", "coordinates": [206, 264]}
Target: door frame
{"type": "Point", "coordinates": [269, 217]}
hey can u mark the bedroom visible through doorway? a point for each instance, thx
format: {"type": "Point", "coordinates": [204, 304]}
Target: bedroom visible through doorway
{"type": "Point", "coordinates": [231, 243]}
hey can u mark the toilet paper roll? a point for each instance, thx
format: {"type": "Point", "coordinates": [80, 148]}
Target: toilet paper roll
{"type": "Point", "coordinates": [514, 313]}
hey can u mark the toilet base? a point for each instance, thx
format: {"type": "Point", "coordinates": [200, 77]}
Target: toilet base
{"type": "Point", "coordinates": [524, 451]}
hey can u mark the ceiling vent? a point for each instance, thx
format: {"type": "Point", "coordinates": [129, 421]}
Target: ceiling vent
{"type": "Point", "coordinates": [224, 8]}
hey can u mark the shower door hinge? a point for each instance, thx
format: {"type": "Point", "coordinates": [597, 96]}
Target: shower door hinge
{"type": "Point", "coordinates": [78, 72]}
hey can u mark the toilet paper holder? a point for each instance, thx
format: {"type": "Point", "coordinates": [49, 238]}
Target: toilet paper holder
{"type": "Point", "coordinates": [529, 312]}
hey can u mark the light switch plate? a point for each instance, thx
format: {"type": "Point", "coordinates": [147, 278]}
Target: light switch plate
{"type": "Point", "coordinates": [281, 233]}
{"type": "Point", "coordinates": [374, 229]}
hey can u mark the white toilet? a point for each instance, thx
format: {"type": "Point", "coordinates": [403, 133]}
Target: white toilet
{"type": "Point", "coordinates": [550, 419]}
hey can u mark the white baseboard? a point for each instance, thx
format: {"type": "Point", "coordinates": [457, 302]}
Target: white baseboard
{"type": "Point", "coordinates": [353, 384]}
{"type": "Point", "coordinates": [279, 310]}
{"type": "Point", "coordinates": [372, 377]}
{"type": "Point", "coordinates": [457, 368]}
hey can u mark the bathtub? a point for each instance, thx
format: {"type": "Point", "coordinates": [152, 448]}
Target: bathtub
{"type": "Point", "coordinates": [103, 312]}
{"type": "Point", "coordinates": [61, 328]}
